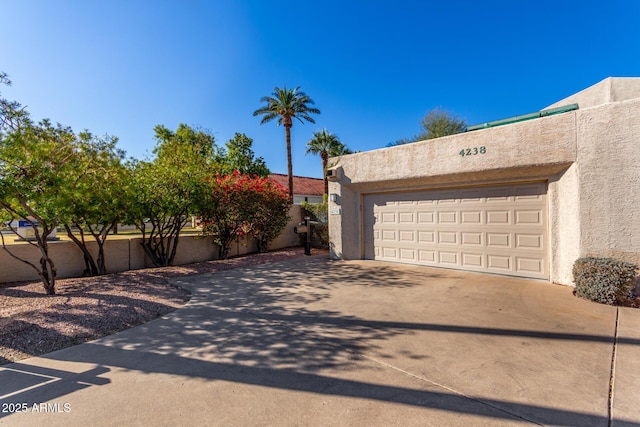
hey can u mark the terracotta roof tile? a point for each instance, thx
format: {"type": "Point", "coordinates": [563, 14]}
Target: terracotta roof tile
{"type": "Point", "coordinates": [301, 184]}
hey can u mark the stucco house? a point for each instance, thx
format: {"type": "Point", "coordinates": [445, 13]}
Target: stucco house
{"type": "Point", "coordinates": [305, 189]}
{"type": "Point", "coordinates": [523, 197]}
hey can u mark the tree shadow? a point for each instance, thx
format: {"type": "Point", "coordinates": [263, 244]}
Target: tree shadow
{"type": "Point", "coordinates": [287, 379]}
{"type": "Point", "coordinates": [33, 385]}
{"type": "Point", "coordinates": [256, 326]}
{"type": "Point", "coordinates": [15, 291]}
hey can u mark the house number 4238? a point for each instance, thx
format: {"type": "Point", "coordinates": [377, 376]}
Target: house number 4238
{"type": "Point", "coordinates": [473, 151]}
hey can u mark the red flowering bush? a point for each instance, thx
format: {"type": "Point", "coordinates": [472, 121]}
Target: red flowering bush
{"type": "Point", "coordinates": [238, 205]}
{"type": "Point", "coordinates": [271, 212]}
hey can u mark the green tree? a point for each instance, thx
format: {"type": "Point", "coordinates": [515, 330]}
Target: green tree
{"type": "Point", "coordinates": [11, 112]}
{"type": "Point", "coordinates": [38, 163]}
{"type": "Point", "coordinates": [95, 205]}
{"type": "Point", "coordinates": [166, 190]}
{"type": "Point", "coordinates": [326, 145]}
{"type": "Point", "coordinates": [240, 156]}
{"type": "Point", "coordinates": [285, 105]}
{"type": "Point", "coordinates": [435, 124]}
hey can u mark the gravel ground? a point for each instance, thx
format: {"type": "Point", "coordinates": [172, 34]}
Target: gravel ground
{"type": "Point", "coordinates": [32, 323]}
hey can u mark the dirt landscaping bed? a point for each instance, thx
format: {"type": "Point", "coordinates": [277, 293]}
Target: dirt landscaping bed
{"type": "Point", "coordinates": [32, 323]}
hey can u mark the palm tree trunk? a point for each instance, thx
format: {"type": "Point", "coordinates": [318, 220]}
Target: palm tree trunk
{"type": "Point", "coordinates": [325, 159]}
{"type": "Point", "coordinates": [289, 161]}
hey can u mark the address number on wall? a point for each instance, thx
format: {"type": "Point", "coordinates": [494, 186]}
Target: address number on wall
{"type": "Point", "coordinates": [473, 151]}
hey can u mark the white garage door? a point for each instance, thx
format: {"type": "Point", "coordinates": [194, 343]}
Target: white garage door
{"type": "Point", "coordinates": [488, 229]}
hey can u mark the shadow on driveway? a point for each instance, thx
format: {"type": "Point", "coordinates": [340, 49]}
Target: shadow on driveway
{"type": "Point", "coordinates": [318, 327]}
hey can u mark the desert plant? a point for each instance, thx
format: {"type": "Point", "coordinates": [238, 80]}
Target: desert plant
{"type": "Point", "coordinates": [604, 280]}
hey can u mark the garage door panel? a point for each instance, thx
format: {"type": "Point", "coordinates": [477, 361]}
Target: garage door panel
{"type": "Point", "coordinates": [388, 235]}
{"type": "Point", "coordinates": [498, 217]}
{"type": "Point", "coordinates": [470, 200]}
{"type": "Point", "coordinates": [497, 200]}
{"type": "Point", "coordinates": [426, 236]}
{"type": "Point", "coordinates": [499, 262]}
{"type": "Point", "coordinates": [448, 258]}
{"type": "Point", "coordinates": [388, 218]}
{"type": "Point", "coordinates": [525, 217]}
{"type": "Point", "coordinates": [529, 241]}
{"type": "Point", "coordinates": [471, 217]}
{"type": "Point", "coordinates": [447, 217]}
{"type": "Point", "coordinates": [406, 217]}
{"type": "Point", "coordinates": [407, 235]}
{"type": "Point", "coordinates": [448, 237]}
{"type": "Point", "coordinates": [447, 198]}
{"type": "Point", "coordinates": [427, 256]}
{"type": "Point", "coordinates": [406, 255]}
{"type": "Point", "coordinates": [498, 240]}
{"type": "Point", "coordinates": [426, 217]}
{"type": "Point", "coordinates": [470, 238]}
{"type": "Point", "coordinates": [389, 252]}
{"type": "Point", "coordinates": [498, 229]}
{"type": "Point", "coordinates": [525, 199]}
{"type": "Point", "coordinates": [472, 260]}
{"type": "Point", "coordinates": [528, 265]}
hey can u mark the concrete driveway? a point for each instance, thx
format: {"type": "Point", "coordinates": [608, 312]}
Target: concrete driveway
{"type": "Point", "coordinates": [316, 342]}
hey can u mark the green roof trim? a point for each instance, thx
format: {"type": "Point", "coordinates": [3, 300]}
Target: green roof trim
{"type": "Point", "coordinates": [522, 118]}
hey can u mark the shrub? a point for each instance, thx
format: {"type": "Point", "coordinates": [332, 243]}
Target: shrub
{"type": "Point", "coordinates": [604, 280]}
{"type": "Point", "coordinates": [271, 211]}
{"type": "Point", "coordinates": [237, 205]}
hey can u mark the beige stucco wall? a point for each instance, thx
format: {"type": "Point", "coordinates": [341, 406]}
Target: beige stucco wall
{"type": "Point", "coordinates": [127, 254]}
{"type": "Point", "coordinates": [517, 150]}
{"type": "Point", "coordinates": [611, 89]}
{"type": "Point", "coordinates": [564, 224]}
{"type": "Point", "coordinates": [537, 150]}
{"type": "Point", "coordinates": [609, 175]}
{"type": "Point", "coordinates": [288, 238]}
{"type": "Point", "coordinates": [588, 157]}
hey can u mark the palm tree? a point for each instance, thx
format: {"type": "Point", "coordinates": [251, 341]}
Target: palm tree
{"type": "Point", "coordinates": [285, 104]}
{"type": "Point", "coordinates": [326, 145]}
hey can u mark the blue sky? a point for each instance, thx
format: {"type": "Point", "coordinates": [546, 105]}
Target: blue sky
{"type": "Point", "coordinates": [374, 68]}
